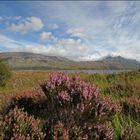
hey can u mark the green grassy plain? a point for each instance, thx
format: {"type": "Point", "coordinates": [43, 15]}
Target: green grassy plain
{"type": "Point", "coordinates": [121, 83]}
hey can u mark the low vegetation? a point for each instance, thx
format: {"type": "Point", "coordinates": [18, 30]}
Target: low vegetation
{"type": "Point", "coordinates": [4, 73]}
{"type": "Point", "coordinates": [58, 106]}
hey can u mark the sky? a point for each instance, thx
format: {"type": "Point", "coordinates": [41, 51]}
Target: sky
{"type": "Point", "coordinates": [78, 30]}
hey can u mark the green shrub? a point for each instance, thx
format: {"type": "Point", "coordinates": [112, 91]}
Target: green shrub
{"type": "Point", "coordinates": [4, 73]}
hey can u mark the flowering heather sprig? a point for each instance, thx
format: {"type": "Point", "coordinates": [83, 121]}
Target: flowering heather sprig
{"type": "Point", "coordinates": [17, 124]}
{"type": "Point", "coordinates": [63, 97]}
{"type": "Point", "coordinates": [71, 90]}
{"type": "Point", "coordinates": [56, 80]}
{"type": "Point", "coordinates": [111, 105]}
{"type": "Point", "coordinates": [87, 90]}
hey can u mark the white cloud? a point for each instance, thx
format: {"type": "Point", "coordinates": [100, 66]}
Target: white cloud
{"type": "Point", "coordinates": [69, 48]}
{"type": "Point", "coordinates": [29, 24]}
{"type": "Point", "coordinates": [53, 26]}
{"type": "Point", "coordinates": [69, 42]}
{"type": "Point", "coordinates": [73, 49]}
{"type": "Point", "coordinates": [45, 36]}
{"type": "Point", "coordinates": [77, 32]}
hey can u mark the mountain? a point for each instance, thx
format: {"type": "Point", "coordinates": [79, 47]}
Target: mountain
{"type": "Point", "coordinates": [119, 62]}
{"type": "Point", "coordinates": [24, 60]}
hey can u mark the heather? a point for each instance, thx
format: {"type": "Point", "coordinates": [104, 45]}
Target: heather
{"type": "Point", "coordinates": [17, 124]}
{"type": "Point", "coordinates": [61, 106]}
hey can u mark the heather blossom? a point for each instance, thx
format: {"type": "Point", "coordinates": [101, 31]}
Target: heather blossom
{"type": "Point", "coordinates": [85, 90]}
{"type": "Point", "coordinates": [56, 80]}
{"type": "Point", "coordinates": [69, 90]}
{"type": "Point", "coordinates": [63, 96]}
{"type": "Point", "coordinates": [17, 124]}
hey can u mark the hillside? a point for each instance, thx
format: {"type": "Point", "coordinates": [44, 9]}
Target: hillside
{"type": "Point", "coordinates": [23, 60]}
{"type": "Point", "coordinates": [120, 62]}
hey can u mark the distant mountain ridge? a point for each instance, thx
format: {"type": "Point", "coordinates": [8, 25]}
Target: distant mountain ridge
{"type": "Point", "coordinates": [24, 60]}
{"type": "Point", "coordinates": [120, 61]}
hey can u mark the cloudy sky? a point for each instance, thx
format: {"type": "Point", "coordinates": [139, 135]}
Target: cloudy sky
{"type": "Point", "coordinates": [77, 30]}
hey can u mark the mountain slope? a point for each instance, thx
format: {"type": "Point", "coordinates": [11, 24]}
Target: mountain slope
{"type": "Point", "coordinates": [23, 60]}
{"type": "Point", "coordinates": [120, 62]}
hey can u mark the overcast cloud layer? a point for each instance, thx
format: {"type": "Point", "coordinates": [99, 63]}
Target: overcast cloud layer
{"type": "Point", "coordinates": [76, 30]}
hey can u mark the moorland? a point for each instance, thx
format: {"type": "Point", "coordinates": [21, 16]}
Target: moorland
{"type": "Point", "coordinates": [60, 106]}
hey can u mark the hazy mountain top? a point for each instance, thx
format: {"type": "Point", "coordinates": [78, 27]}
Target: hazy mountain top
{"type": "Point", "coordinates": [119, 59]}
{"type": "Point", "coordinates": [26, 55]}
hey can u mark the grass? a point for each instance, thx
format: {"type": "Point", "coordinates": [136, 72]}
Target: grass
{"type": "Point", "coordinates": [23, 81]}
{"type": "Point", "coordinates": [124, 83]}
